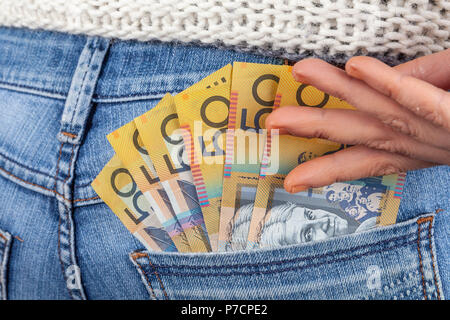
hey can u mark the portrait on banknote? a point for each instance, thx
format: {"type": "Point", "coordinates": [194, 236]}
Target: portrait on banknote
{"type": "Point", "coordinates": [305, 217]}
{"type": "Point", "coordinates": [238, 226]}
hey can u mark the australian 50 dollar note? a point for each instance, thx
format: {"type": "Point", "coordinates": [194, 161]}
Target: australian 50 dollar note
{"type": "Point", "coordinates": [128, 145]}
{"type": "Point", "coordinates": [203, 114]}
{"type": "Point", "coordinates": [163, 139]}
{"type": "Point", "coordinates": [251, 99]}
{"type": "Point", "coordinates": [116, 187]}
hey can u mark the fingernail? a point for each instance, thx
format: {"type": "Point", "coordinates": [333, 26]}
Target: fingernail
{"type": "Point", "coordinates": [298, 73]}
{"type": "Point", "coordinates": [351, 67]}
{"type": "Point", "coordinates": [298, 188]}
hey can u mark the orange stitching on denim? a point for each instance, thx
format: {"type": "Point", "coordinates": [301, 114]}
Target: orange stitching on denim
{"type": "Point", "coordinates": [47, 189]}
{"type": "Point", "coordinates": [419, 222]}
{"type": "Point", "coordinates": [3, 237]}
{"type": "Point", "coordinates": [432, 263]}
{"type": "Point", "coordinates": [71, 135]}
{"type": "Point", "coordinates": [157, 277]}
{"type": "Point", "coordinates": [420, 259]}
{"type": "Point", "coordinates": [18, 238]}
{"type": "Point", "coordinates": [140, 255]}
{"type": "Point", "coordinates": [33, 184]}
{"type": "Point", "coordinates": [59, 216]}
{"type": "Point", "coordinates": [424, 219]}
{"type": "Point", "coordinates": [86, 199]}
{"type": "Point", "coordinates": [55, 177]}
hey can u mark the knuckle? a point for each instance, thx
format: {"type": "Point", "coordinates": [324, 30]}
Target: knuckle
{"type": "Point", "coordinates": [383, 166]}
{"type": "Point", "coordinates": [432, 115]}
{"type": "Point", "coordinates": [393, 144]}
{"type": "Point", "coordinates": [420, 69]}
{"type": "Point", "coordinates": [384, 143]}
{"type": "Point", "coordinates": [320, 133]}
{"type": "Point", "coordinates": [322, 128]}
{"type": "Point", "coordinates": [402, 125]}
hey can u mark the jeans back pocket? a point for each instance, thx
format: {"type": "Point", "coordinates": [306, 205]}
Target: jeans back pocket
{"type": "Point", "coordinates": [394, 262]}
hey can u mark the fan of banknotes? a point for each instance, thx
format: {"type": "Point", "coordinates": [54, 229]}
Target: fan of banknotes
{"type": "Point", "coordinates": [199, 173]}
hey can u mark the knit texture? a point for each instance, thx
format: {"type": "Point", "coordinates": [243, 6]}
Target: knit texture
{"type": "Point", "coordinates": [394, 30]}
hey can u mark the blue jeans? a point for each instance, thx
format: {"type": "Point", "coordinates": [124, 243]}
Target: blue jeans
{"type": "Point", "coordinates": [61, 94]}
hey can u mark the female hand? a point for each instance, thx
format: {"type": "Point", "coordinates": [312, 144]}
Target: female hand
{"type": "Point", "coordinates": [402, 121]}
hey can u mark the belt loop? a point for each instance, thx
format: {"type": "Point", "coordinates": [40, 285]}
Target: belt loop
{"type": "Point", "coordinates": [78, 102]}
{"type": "Point", "coordinates": [76, 113]}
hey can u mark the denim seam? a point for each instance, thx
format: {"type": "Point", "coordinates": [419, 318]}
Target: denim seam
{"type": "Point", "coordinates": [47, 189]}
{"type": "Point", "coordinates": [82, 86]}
{"type": "Point", "coordinates": [57, 165]}
{"type": "Point", "coordinates": [77, 109]}
{"type": "Point", "coordinates": [163, 288]}
{"type": "Point", "coordinates": [134, 257]}
{"type": "Point", "coordinates": [59, 254]}
{"type": "Point", "coordinates": [26, 167]}
{"type": "Point", "coordinates": [31, 90]}
{"type": "Point", "coordinates": [131, 98]}
{"type": "Point", "coordinates": [294, 260]}
{"type": "Point", "coordinates": [60, 221]}
{"type": "Point", "coordinates": [432, 256]}
{"type": "Point", "coordinates": [70, 165]}
{"type": "Point", "coordinates": [290, 268]}
{"type": "Point", "coordinates": [86, 199]}
{"type": "Point", "coordinates": [97, 99]}
{"type": "Point", "coordinates": [419, 223]}
{"type": "Point", "coordinates": [31, 183]}
{"type": "Point", "coordinates": [435, 264]}
{"type": "Point", "coordinates": [65, 218]}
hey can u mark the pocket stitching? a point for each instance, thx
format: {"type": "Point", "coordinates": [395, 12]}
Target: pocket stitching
{"type": "Point", "coordinates": [285, 269]}
{"type": "Point", "coordinates": [135, 257]}
{"type": "Point", "coordinates": [157, 277]}
{"type": "Point", "coordinates": [420, 221]}
{"type": "Point", "coordinates": [295, 260]}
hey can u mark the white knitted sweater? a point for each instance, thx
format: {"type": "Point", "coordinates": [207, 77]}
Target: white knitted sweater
{"type": "Point", "coordinates": [393, 30]}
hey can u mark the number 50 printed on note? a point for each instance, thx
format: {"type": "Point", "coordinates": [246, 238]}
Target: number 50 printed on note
{"type": "Point", "coordinates": [163, 139]}
{"type": "Point", "coordinates": [253, 89]}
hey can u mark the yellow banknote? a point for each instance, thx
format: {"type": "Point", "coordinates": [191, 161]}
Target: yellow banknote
{"type": "Point", "coordinates": [129, 148]}
{"type": "Point", "coordinates": [318, 213]}
{"type": "Point", "coordinates": [161, 134]}
{"type": "Point", "coordinates": [251, 100]}
{"type": "Point", "coordinates": [116, 187]}
{"type": "Point", "coordinates": [203, 114]}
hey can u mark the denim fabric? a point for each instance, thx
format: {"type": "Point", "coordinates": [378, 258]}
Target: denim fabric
{"type": "Point", "coordinates": [61, 94]}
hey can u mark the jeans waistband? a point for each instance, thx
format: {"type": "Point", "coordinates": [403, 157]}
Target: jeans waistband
{"type": "Point", "coordinates": [44, 62]}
